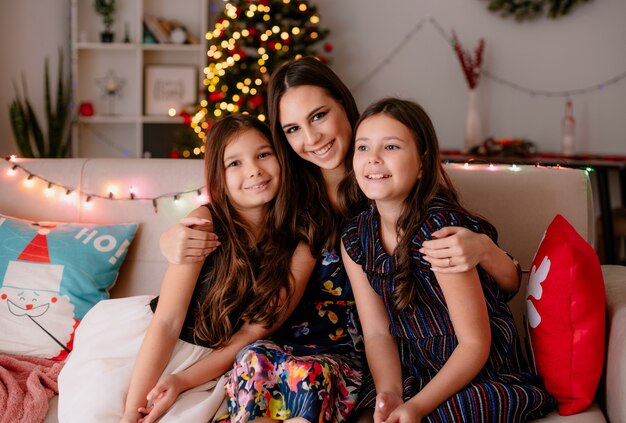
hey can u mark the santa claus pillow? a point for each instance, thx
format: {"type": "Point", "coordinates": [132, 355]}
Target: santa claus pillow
{"type": "Point", "coordinates": [565, 315]}
{"type": "Point", "coordinates": [51, 274]}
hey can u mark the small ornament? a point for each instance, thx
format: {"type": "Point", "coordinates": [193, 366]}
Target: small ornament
{"type": "Point", "coordinates": [86, 109]}
{"type": "Point", "coordinates": [127, 33]}
{"type": "Point", "coordinates": [111, 86]}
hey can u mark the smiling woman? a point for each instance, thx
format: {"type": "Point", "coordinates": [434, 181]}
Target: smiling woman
{"type": "Point", "coordinates": [316, 126]}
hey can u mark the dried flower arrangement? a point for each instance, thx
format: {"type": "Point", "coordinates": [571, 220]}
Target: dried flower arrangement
{"type": "Point", "coordinates": [471, 65]}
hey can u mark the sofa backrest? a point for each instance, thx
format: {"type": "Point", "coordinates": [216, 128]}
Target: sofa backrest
{"type": "Point", "coordinates": [520, 203]}
{"type": "Point", "coordinates": [144, 266]}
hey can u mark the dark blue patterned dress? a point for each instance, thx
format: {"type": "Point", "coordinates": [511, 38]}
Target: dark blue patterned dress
{"type": "Point", "coordinates": [312, 366]}
{"type": "Point", "coordinates": [505, 390]}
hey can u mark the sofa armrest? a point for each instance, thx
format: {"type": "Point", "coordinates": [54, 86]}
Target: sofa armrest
{"type": "Point", "coordinates": [615, 285]}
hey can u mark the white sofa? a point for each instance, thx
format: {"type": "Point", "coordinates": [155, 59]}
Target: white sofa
{"type": "Point", "coordinates": [520, 204]}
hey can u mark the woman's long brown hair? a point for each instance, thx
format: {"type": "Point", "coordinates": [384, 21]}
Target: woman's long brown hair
{"type": "Point", "coordinates": [244, 289]}
{"type": "Point", "coordinates": [321, 223]}
{"type": "Point", "coordinates": [434, 181]}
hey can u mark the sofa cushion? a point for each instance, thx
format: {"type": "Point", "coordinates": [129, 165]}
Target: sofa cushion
{"type": "Point", "coordinates": [51, 274]}
{"type": "Point", "coordinates": [566, 316]}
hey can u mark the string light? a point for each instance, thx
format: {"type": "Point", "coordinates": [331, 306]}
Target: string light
{"type": "Point", "coordinates": [386, 61]}
{"type": "Point", "coordinates": [49, 192]}
{"type": "Point", "coordinates": [71, 193]}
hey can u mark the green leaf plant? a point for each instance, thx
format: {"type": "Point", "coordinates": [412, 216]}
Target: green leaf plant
{"type": "Point", "coordinates": [29, 136]}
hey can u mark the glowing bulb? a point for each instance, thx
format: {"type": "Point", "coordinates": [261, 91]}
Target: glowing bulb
{"type": "Point", "coordinates": [12, 171]}
{"type": "Point", "coordinates": [202, 199]}
{"type": "Point", "coordinates": [70, 196]}
{"type": "Point", "coordinates": [515, 168]}
{"type": "Point", "coordinates": [88, 204]}
{"type": "Point", "coordinates": [171, 112]}
{"type": "Point", "coordinates": [466, 165]}
{"type": "Point", "coordinates": [49, 191]}
{"type": "Point", "coordinates": [491, 166]}
{"type": "Point", "coordinates": [29, 182]}
{"type": "Point", "coordinates": [112, 190]}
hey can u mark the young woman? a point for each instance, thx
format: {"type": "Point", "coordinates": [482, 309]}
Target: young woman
{"type": "Point", "coordinates": [440, 347]}
{"type": "Point", "coordinates": [206, 311]}
{"type": "Point", "coordinates": [312, 115]}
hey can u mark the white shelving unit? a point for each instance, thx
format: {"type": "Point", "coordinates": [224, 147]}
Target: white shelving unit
{"type": "Point", "coordinates": [119, 126]}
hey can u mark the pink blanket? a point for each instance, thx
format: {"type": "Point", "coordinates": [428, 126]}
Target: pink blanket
{"type": "Point", "coordinates": [26, 386]}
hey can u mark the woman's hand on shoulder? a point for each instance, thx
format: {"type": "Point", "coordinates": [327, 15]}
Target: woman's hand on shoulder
{"type": "Point", "coordinates": [191, 239]}
{"type": "Point", "coordinates": [456, 249]}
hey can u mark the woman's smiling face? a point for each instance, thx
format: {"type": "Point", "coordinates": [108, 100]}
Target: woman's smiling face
{"type": "Point", "coordinates": [315, 125]}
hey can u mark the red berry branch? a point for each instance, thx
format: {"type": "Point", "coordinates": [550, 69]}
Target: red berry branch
{"type": "Point", "coordinates": [471, 66]}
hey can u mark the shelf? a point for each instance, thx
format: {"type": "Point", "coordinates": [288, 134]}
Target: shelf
{"type": "Point", "coordinates": [106, 46]}
{"type": "Point", "coordinates": [172, 47]}
{"type": "Point", "coordinates": [130, 132]}
{"type": "Point", "coordinates": [162, 119]}
{"type": "Point", "coordinates": [107, 119]}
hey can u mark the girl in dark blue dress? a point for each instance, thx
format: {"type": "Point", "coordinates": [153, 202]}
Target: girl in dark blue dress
{"type": "Point", "coordinates": [440, 347]}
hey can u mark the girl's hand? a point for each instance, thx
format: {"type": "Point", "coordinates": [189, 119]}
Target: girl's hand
{"type": "Point", "coordinates": [190, 240]}
{"type": "Point", "coordinates": [406, 413]}
{"type": "Point", "coordinates": [160, 398]}
{"type": "Point", "coordinates": [386, 402]}
{"type": "Point", "coordinates": [131, 417]}
{"type": "Point", "coordinates": [455, 250]}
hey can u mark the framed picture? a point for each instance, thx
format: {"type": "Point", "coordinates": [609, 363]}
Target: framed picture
{"type": "Point", "coordinates": [169, 87]}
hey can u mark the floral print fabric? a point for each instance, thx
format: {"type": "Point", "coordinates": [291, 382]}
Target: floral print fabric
{"type": "Point", "coordinates": [312, 366]}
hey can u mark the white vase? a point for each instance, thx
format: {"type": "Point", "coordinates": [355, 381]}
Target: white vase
{"type": "Point", "coordinates": [472, 123]}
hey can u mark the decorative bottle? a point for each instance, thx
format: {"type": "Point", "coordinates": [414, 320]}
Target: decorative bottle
{"type": "Point", "coordinates": [568, 128]}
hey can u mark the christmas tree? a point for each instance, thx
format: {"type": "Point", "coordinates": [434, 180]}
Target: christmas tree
{"type": "Point", "coordinates": [250, 39]}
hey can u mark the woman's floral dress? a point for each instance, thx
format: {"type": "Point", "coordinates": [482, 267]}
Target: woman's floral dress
{"type": "Point", "coordinates": [312, 366]}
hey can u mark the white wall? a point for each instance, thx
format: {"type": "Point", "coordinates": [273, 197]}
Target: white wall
{"type": "Point", "coordinates": [580, 50]}
{"type": "Point", "coordinates": [30, 30]}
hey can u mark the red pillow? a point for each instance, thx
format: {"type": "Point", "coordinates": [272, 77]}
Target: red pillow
{"type": "Point", "coordinates": [565, 312]}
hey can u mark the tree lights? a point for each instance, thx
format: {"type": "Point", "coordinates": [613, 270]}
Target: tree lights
{"type": "Point", "coordinates": [249, 40]}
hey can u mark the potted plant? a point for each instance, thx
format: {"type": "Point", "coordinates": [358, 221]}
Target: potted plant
{"type": "Point", "coordinates": [106, 9]}
{"type": "Point", "coordinates": [30, 138]}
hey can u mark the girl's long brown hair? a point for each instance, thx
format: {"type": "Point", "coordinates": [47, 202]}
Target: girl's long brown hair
{"type": "Point", "coordinates": [434, 181]}
{"type": "Point", "coordinates": [242, 288]}
{"type": "Point", "coordinates": [321, 223]}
